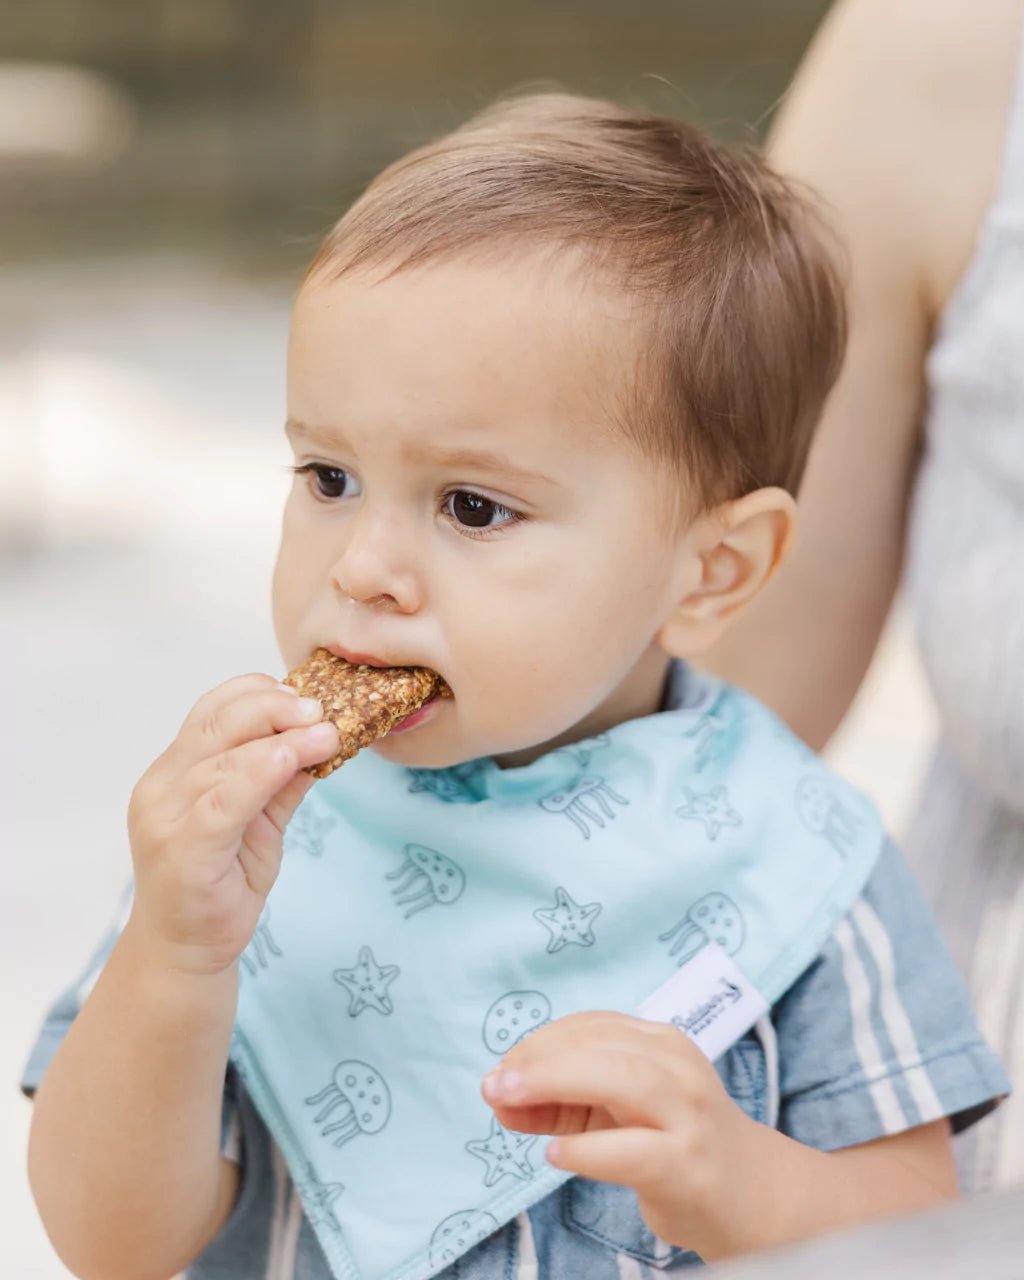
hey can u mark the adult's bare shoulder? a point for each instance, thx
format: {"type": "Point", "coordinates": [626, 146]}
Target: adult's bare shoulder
{"type": "Point", "coordinates": [969, 81]}
{"type": "Point", "coordinates": [919, 52]}
{"type": "Point", "coordinates": [898, 116]}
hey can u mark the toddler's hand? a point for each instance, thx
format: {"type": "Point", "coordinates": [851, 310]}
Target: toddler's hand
{"type": "Point", "coordinates": [206, 820]}
{"type": "Point", "coordinates": [639, 1105]}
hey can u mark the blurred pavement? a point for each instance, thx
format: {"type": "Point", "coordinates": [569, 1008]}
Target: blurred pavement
{"type": "Point", "coordinates": [141, 476]}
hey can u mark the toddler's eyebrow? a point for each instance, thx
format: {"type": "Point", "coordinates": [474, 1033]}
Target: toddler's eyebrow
{"type": "Point", "coordinates": [478, 460]}
{"type": "Point", "coordinates": [454, 459]}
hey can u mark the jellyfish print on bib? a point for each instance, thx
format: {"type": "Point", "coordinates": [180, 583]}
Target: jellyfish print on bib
{"type": "Point", "coordinates": [452, 786]}
{"type": "Point", "coordinates": [712, 918]}
{"type": "Point", "coordinates": [426, 877]}
{"type": "Point", "coordinates": [825, 814]}
{"type": "Point", "coordinates": [581, 751]}
{"type": "Point", "coordinates": [359, 1096]}
{"type": "Point", "coordinates": [458, 1233]}
{"type": "Point", "coordinates": [512, 1017]}
{"type": "Point", "coordinates": [262, 946]}
{"type": "Point", "coordinates": [573, 802]}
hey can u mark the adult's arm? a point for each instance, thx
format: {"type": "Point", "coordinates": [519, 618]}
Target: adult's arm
{"type": "Point", "coordinates": [896, 118]}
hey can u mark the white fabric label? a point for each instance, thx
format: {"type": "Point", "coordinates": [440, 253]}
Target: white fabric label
{"type": "Point", "coordinates": [710, 999]}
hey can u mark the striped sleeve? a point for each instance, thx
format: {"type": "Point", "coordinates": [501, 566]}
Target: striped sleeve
{"type": "Point", "coordinates": [879, 1036]}
{"type": "Point", "coordinates": [65, 1009]}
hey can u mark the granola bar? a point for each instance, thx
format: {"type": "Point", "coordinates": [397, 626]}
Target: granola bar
{"type": "Point", "coordinates": [364, 702]}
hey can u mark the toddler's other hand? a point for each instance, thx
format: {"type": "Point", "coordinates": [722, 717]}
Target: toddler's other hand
{"type": "Point", "coordinates": [637, 1103]}
{"type": "Point", "coordinates": [207, 819]}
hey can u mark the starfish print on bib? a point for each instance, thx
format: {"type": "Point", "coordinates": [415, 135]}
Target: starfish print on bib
{"type": "Point", "coordinates": [367, 984]}
{"type": "Point", "coordinates": [568, 922]}
{"type": "Point", "coordinates": [710, 807]}
{"type": "Point", "coordinates": [505, 1154]}
{"type": "Point", "coordinates": [319, 1198]}
{"type": "Point", "coordinates": [309, 829]}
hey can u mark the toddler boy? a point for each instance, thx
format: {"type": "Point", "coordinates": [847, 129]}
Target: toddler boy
{"type": "Point", "coordinates": [552, 384]}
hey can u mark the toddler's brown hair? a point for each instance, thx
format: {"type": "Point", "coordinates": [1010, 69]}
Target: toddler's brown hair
{"type": "Point", "coordinates": [741, 301]}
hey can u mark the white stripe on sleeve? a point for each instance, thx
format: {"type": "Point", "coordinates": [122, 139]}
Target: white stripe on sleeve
{"type": "Point", "coordinates": [865, 1041]}
{"type": "Point", "coordinates": [290, 1236]}
{"type": "Point", "coordinates": [631, 1268]}
{"type": "Point", "coordinates": [281, 1248]}
{"type": "Point", "coordinates": [765, 1031]}
{"type": "Point", "coordinates": [526, 1262]}
{"type": "Point", "coordinates": [894, 1014]}
{"type": "Point", "coordinates": [232, 1148]}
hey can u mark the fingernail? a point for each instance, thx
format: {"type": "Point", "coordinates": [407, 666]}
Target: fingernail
{"type": "Point", "coordinates": [503, 1085]}
{"type": "Point", "coordinates": [287, 688]}
{"type": "Point", "coordinates": [310, 709]}
{"type": "Point", "coordinates": [551, 1152]}
{"type": "Point", "coordinates": [321, 734]}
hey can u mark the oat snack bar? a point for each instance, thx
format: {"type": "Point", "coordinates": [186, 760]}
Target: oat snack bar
{"type": "Point", "coordinates": [364, 702]}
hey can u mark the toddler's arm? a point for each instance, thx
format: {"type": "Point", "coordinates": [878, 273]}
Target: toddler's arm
{"type": "Point", "coordinates": [124, 1155]}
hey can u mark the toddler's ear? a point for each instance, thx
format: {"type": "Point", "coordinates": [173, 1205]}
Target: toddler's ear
{"type": "Point", "coordinates": [731, 553]}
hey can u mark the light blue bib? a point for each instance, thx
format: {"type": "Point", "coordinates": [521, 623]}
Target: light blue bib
{"type": "Point", "coordinates": [425, 921]}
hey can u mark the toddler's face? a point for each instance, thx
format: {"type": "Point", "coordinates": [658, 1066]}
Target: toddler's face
{"type": "Point", "coordinates": [464, 502]}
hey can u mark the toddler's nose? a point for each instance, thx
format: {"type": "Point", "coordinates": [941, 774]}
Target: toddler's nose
{"type": "Point", "coordinates": [375, 569]}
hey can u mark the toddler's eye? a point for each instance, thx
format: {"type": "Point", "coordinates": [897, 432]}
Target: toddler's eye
{"type": "Point", "coordinates": [473, 511]}
{"type": "Point", "coordinates": [329, 482]}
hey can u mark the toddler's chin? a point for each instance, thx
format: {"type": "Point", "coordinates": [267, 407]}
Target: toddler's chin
{"type": "Point", "coordinates": [421, 749]}
{"type": "Point", "coordinates": [442, 741]}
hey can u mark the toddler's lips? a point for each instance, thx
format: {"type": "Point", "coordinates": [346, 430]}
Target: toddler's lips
{"type": "Point", "coordinates": [371, 660]}
{"type": "Point", "coordinates": [360, 659]}
{"type": "Point", "coordinates": [417, 717]}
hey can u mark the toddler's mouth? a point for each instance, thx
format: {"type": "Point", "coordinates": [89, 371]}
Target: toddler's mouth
{"type": "Point", "coordinates": [417, 717]}
{"type": "Point", "coordinates": [372, 660]}
{"type": "Point", "coordinates": [363, 659]}
{"type": "Point", "coordinates": [363, 702]}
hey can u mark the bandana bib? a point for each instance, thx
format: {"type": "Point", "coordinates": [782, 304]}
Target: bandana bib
{"type": "Point", "coordinates": [425, 921]}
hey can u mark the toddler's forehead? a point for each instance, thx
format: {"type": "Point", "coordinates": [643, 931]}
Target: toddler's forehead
{"type": "Point", "coordinates": [514, 326]}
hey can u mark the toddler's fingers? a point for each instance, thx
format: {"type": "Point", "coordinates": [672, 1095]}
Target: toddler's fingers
{"type": "Point", "coordinates": [633, 1087]}
{"type": "Point", "coordinates": [257, 712]}
{"type": "Point", "coordinates": [550, 1117]}
{"type": "Point", "coordinates": [260, 852]}
{"type": "Point", "coordinates": [236, 785]}
{"type": "Point", "coordinates": [282, 807]}
{"type": "Point", "coordinates": [212, 701]}
{"type": "Point", "coordinates": [638, 1158]}
{"type": "Point", "coordinates": [599, 1028]}
{"type": "Point", "coordinates": [182, 751]}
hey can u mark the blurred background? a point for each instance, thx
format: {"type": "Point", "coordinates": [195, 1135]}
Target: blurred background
{"type": "Point", "coordinates": [166, 169]}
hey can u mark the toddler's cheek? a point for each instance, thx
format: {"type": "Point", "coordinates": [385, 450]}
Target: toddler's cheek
{"type": "Point", "coordinates": [512, 714]}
